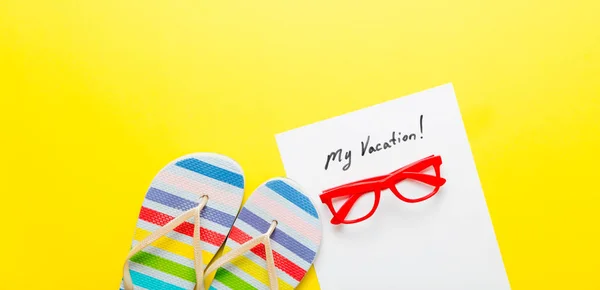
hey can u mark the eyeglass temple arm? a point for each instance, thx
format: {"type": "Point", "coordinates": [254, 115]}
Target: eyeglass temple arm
{"type": "Point", "coordinates": [424, 178]}
{"type": "Point", "coordinates": [355, 188]}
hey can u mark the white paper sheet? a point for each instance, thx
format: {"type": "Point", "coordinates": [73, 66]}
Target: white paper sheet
{"type": "Point", "coordinates": [444, 243]}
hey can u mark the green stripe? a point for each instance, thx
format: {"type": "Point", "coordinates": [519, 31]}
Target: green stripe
{"type": "Point", "coordinates": [232, 281]}
{"type": "Point", "coordinates": [164, 265]}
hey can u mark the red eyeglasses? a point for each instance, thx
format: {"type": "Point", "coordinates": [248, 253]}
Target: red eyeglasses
{"type": "Point", "coordinates": [355, 190]}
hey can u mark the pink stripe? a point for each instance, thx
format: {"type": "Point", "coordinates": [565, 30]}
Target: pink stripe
{"type": "Point", "coordinates": [221, 196]}
{"type": "Point", "coordinates": [284, 215]}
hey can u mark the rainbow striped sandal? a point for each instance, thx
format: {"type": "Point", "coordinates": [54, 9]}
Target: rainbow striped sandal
{"type": "Point", "coordinates": [186, 216]}
{"type": "Point", "coordinates": [273, 242]}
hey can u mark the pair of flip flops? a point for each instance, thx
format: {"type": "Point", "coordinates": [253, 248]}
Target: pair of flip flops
{"type": "Point", "coordinates": [192, 209]}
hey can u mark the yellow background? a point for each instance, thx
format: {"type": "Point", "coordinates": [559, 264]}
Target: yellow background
{"type": "Point", "coordinates": [96, 96]}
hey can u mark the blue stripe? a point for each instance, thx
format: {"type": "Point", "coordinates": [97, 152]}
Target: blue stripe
{"type": "Point", "coordinates": [176, 202]}
{"type": "Point", "coordinates": [278, 235]}
{"type": "Point", "coordinates": [212, 288]}
{"type": "Point", "coordinates": [217, 216]}
{"type": "Point", "coordinates": [212, 171]}
{"type": "Point", "coordinates": [148, 282]}
{"type": "Point", "coordinates": [170, 200]}
{"type": "Point", "coordinates": [294, 196]}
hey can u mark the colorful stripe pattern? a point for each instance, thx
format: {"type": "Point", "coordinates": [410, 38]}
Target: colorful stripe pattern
{"type": "Point", "coordinates": [169, 262]}
{"type": "Point", "coordinates": [295, 241]}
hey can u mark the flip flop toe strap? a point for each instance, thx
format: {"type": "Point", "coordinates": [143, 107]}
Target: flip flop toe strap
{"type": "Point", "coordinates": [264, 239]}
{"type": "Point", "coordinates": [197, 245]}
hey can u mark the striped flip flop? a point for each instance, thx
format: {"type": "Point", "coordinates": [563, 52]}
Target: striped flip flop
{"type": "Point", "coordinates": [187, 214]}
{"type": "Point", "coordinates": [273, 242]}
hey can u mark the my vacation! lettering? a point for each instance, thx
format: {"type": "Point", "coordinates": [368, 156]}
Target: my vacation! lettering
{"type": "Point", "coordinates": [371, 146]}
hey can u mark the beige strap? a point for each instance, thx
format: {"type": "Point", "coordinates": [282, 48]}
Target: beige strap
{"type": "Point", "coordinates": [247, 246]}
{"type": "Point", "coordinates": [197, 243]}
{"type": "Point", "coordinates": [194, 212]}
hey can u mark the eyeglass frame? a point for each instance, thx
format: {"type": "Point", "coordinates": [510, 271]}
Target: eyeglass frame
{"type": "Point", "coordinates": [379, 183]}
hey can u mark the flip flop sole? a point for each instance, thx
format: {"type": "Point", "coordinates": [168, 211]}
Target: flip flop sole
{"type": "Point", "coordinates": [168, 263]}
{"type": "Point", "coordinates": [295, 241]}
